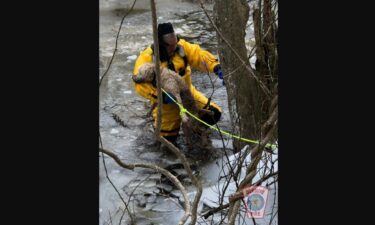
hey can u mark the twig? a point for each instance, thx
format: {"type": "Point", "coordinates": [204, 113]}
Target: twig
{"type": "Point", "coordinates": [126, 205]}
{"type": "Point", "coordinates": [114, 52]}
{"type": "Point", "coordinates": [256, 154]}
{"type": "Point", "coordinates": [264, 88]}
{"type": "Point", "coordinates": [236, 196]}
{"type": "Point", "coordinates": [100, 82]}
{"type": "Point", "coordinates": [194, 180]}
{"type": "Point", "coordinates": [157, 67]}
{"type": "Point", "coordinates": [131, 194]}
{"type": "Point", "coordinates": [110, 217]}
{"type": "Point", "coordinates": [165, 172]}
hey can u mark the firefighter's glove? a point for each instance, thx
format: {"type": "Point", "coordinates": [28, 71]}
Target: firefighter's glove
{"type": "Point", "coordinates": [219, 72]}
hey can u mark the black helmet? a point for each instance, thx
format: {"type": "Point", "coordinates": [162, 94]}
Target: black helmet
{"type": "Point", "coordinates": [164, 28]}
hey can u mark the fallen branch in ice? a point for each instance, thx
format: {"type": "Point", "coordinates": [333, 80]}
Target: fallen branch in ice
{"type": "Point", "coordinates": [194, 180]}
{"type": "Point", "coordinates": [165, 172]}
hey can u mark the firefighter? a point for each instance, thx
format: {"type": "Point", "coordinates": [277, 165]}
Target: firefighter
{"type": "Point", "coordinates": [179, 56]}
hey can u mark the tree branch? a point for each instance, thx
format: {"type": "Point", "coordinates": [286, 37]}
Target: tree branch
{"type": "Point", "coordinates": [236, 196]}
{"type": "Point", "coordinates": [194, 180]}
{"type": "Point", "coordinates": [114, 51]}
{"type": "Point", "coordinates": [165, 172]}
{"type": "Point", "coordinates": [157, 67]}
{"type": "Point", "coordinates": [256, 154]}
{"type": "Point", "coordinates": [263, 87]}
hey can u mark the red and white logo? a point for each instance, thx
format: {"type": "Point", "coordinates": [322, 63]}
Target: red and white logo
{"type": "Point", "coordinates": [255, 198]}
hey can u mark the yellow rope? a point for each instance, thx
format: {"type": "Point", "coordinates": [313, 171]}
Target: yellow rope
{"type": "Point", "coordinates": [184, 110]}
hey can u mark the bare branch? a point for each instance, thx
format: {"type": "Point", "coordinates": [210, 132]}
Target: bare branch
{"type": "Point", "coordinates": [165, 172]}
{"type": "Point", "coordinates": [157, 67]}
{"type": "Point", "coordinates": [114, 52]}
{"type": "Point", "coordinates": [114, 187]}
{"type": "Point", "coordinates": [117, 159]}
{"type": "Point", "coordinates": [194, 180]}
{"type": "Point", "coordinates": [236, 196]}
{"type": "Point", "coordinates": [263, 87]}
{"type": "Point", "coordinates": [131, 194]}
{"type": "Point", "coordinates": [255, 156]}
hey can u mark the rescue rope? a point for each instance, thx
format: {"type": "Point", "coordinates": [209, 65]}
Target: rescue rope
{"type": "Point", "coordinates": [184, 110]}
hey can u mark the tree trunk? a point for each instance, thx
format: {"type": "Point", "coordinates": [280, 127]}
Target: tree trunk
{"type": "Point", "coordinates": [266, 52]}
{"type": "Point", "coordinates": [231, 18]}
{"type": "Point", "coordinates": [249, 106]}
